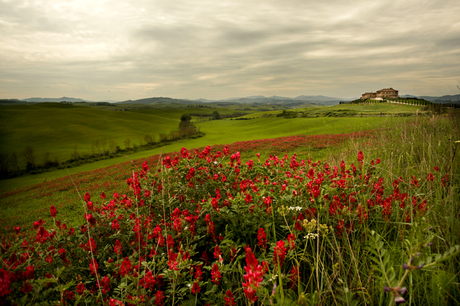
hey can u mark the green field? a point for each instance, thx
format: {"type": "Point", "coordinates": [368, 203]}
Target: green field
{"type": "Point", "coordinates": [359, 207]}
{"type": "Point", "coordinates": [59, 128]}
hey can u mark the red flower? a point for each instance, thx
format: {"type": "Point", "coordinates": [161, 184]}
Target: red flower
{"type": "Point", "coordinates": [106, 284]}
{"type": "Point", "coordinates": [229, 299]}
{"type": "Point", "coordinates": [159, 297]}
{"type": "Point", "coordinates": [27, 288]}
{"type": "Point", "coordinates": [218, 254]}
{"type": "Point", "coordinates": [115, 225]}
{"type": "Point", "coordinates": [90, 219]}
{"type": "Point", "coordinates": [215, 273]}
{"type": "Point", "coordinates": [117, 248]}
{"type": "Point", "coordinates": [70, 295]}
{"type": "Point", "coordinates": [360, 157]}
{"type": "Point", "coordinates": [279, 254]}
{"type": "Point", "coordinates": [5, 283]}
{"type": "Point", "coordinates": [113, 302]}
{"type": "Point", "coordinates": [81, 288]}
{"type": "Point", "coordinates": [195, 288]}
{"type": "Point", "coordinates": [93, 266]}
{"type": "Point", "coordinates": [294, 277]}
{"type": "Point", "coordinates": [125, 267]}
{"type": "Point", "coordinates": [53, 211]}
{"type": "Point", "coordinates": [262, 237]}
{"type": "Point", "coordinates": [291, 241]}
{"type": "Point", "coordinates": [253, 276]}
{"type": "Point", "coordinates": [430, 177]}
{"type": "Point", "coordinates": [149, 281]}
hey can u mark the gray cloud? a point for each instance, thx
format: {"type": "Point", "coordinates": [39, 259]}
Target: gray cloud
{"type": "Point", "coordinates": [134, 49]}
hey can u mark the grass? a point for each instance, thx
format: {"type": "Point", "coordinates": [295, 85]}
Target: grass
{"type": "Point", "coordinates": [356, 262]}
{"type": "Point", "coordinates": [217, 132]}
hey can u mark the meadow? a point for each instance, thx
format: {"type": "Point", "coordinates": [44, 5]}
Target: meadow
{"type": "Point", "coordinates": [347, 211]}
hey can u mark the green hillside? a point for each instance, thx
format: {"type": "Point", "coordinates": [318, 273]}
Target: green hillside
{"type": "Point", "coordinates": [57, 128]}
{"type": "Point", "coordinates": [60, 128]}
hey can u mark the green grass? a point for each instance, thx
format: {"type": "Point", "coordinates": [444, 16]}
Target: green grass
{"type": "Point", "coordinates": [218, 132]}
{"type": "Point", "coordinates": [58, 128]}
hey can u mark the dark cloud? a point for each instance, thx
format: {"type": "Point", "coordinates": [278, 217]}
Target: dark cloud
{"type": "Point", "coordinates": [133, 49]}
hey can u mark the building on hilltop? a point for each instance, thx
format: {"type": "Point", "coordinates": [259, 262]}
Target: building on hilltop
{"type": "Point", "coordinates": [383, 93]}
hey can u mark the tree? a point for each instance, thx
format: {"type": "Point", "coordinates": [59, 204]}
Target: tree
{"type": "Point", "coordinates": [215, 115]}
{"type": "Point", "coordinates": [185, 126]}
{"type": "Point", "coordinates": [149, 139]}
{"type": "Point", "coordinates": [127, 143]}
{"type": "Point", "coordinates": [186, 117]}
{"type": "Point", "coordinates": [29, 157]}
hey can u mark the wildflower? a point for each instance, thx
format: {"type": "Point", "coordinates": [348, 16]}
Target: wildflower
{"type": "Point", "coordinates": [430, 177]}
{"type": "Point", "coordinates": [218, 253]}
{"type": "Point", "coordinates": [17, 229]}
{"type": "Point", "coordinates": [229, 299]}
{"type": "Point", "coordinates": [117, 248]}
{"type": "Point", "coordinates": [262, 237]}
{"type": "Point", "coordinates": [106, 284]}
{"type": "Point", "coordinates": [114, 302]}
{"type": "Point", "coordinates": [195, 288]}
{"type": "Point", "coordinates": [42, 235]}
{"type": "Point", "coordinates": [279, 253]}
{"type": "Point", "coordinates": [125, 268]}
{"type": "Point", "coordinates": [115, 225]}
{"type": "Point", "coordinates": [90, 219]}
{"type": "Point", "coordinates": [30, 271]}
{"type": "Point", "coordinates": [87, 197]}
{"type": "Point", "coordinates": [70, 295]}
{"type": "Point", "coordinates": [253, 276]}
{"type": "Point", "coordinates": [81, 288]}
{"type": "Point", "coordinates": [215, 204]}
{"type": "Point", "coordinates": [53, 211]}
{"type": "Point", "coordinates": [93, 266]}
{"type": "Point", "coordinates": [5, 283]}
{"type": "Point", "coordinates": [294, 277]}
{"type": "Point", "coordinates": [27, 288]}
{"type": "Point", "coordinates": [360, 158]}
{"type": "Point", "coordinates": [148, 281]}
{"type": "Point", "coordinates": [291, 241]}
{"type": "Point", "coordinates": [216, 276]}
{"type": "Point", "coordinates": [159, 297]}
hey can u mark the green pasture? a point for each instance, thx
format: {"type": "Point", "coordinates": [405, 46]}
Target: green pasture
{"type": "Point", "coordinates": [376, 109]}
{"type": "Point", "coordinates": [220, 132]}
{"type": "Point", "coordinates": [56, 128]}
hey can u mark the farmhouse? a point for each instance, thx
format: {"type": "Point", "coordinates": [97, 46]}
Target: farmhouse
{"type": "Point", "coordinates": [383, 93]}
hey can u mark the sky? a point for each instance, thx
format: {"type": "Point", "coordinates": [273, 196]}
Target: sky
{"type": "Point", "coordinates": [104, 50]}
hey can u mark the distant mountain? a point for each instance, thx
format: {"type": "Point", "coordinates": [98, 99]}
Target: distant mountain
{"type": "Point", "coordinates": [321, 100]}
{"type": "Point", "coordinates": [443, 99]}
{"type": "Point", "coordinates": [318, 98]}
{"type": "Point", "coordinates": [63, 99]}
{"type": "Point", "coordinates": [156, 100]}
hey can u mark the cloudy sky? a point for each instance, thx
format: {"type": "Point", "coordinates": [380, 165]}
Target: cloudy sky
{"type": "Point", "coordinates": [120, 49]}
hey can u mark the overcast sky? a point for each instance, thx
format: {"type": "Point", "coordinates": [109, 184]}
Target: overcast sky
{"type": "Point", "coordinates": [119, 49]}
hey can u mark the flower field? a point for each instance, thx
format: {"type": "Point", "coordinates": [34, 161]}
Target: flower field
{"type": "Point", "coordinates": [208, 227]}
{"type": "Point", "coordinates": [27, 203]}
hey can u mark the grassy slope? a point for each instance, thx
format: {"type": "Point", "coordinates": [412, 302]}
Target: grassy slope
{"type": "Point", "coordinates": [221, 132]}
{"type": "Point", "coordinates": [56, 128]}
{"type": "Point", "coordinates": [369, 109]}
